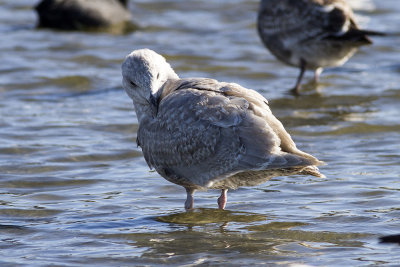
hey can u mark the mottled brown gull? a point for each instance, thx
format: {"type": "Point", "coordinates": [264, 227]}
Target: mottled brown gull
{"type": "Point", "coordinates": [203, 134]}
{"type": "Point", "coordinates": [310, 34]}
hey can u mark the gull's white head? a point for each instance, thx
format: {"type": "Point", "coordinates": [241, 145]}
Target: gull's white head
{"type": "Point", "coordinates": [143, 73]}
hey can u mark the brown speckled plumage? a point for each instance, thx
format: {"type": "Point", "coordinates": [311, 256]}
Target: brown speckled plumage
{"type": "Point", "coordinates": [310, 34]}
{"type": "Point", "coordinates": [200, 133]}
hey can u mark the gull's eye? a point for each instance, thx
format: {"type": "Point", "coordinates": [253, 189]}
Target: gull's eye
{"type": "Point", "coordinates": [158, 75]}
{"type": "Point", "coordinates": [132, 83]}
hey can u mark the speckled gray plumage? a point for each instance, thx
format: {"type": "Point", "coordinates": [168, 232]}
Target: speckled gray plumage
{"type": "Point", "coordinates": [313, 33]}
{"type": "Point", "coordinates": [201, 133]}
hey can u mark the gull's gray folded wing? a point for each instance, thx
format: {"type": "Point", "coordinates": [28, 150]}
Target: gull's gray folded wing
{"type": "Point", "coordinates": [206, 130]}
{"type": "Point", "coordinates": [313, 20]}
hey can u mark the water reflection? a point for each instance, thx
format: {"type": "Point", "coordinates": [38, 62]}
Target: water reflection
{"type": "Point", "coordinates": [193, 240]}
{"type": "Point", "coordinates": [206, 216]}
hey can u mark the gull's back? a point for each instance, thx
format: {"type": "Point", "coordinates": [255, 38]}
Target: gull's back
{"type": "Point", "coordinates": [321, 32]}
{"type": "Point", "coordinates": [206, 132]}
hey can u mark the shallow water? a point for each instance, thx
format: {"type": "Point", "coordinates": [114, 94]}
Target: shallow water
{"type": "Point", "coordinates": [76, 191]}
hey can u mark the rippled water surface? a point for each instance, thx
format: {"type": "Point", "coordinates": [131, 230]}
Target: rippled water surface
{"type": "Point", "coordinates": [75, 189]}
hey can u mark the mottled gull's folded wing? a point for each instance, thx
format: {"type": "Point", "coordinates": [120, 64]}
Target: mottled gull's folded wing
{"type": "Point", "coordinates": [263, 121]}
{"type": "Point", "coordinates": [314, 19]}
{"type": "Point", "coordinates": [210, 130]}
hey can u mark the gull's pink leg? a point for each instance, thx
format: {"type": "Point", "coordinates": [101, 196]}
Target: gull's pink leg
{"type": "Point", "coordinates": [222, 199]}
{"type": "Point", "coordinates": [189, 199]}
{"type": "Point", "coordinates": [317, 72]}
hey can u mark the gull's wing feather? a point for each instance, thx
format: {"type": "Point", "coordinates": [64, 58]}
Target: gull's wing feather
{"type": "Point", "coordinates": [314, 19]}
{"type": "Point", "coordinates": [260, 112]}
{"type": "Point", "coordinates": [206, 130]}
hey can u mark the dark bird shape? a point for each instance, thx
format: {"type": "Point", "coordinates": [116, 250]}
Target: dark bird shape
{"type": "Point", "coordinates": [203, 134]}
{"type": "Point", "coordinates": [310, 34]}
{"type": "Point", "coordinates": [390, 239]}
{"type": "Point", "coordinates": [83, 14]}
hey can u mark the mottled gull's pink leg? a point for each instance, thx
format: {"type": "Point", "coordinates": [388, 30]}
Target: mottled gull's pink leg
{"type": "Point", "coordinates": [222, 199]}
{"type": "Point", "coordinates": [317, 72]}
{"type": "Point", "coordinates": [189, 199]}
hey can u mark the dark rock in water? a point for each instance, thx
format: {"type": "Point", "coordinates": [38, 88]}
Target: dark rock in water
{"type": "Point", "coordinates": [390, 239]}
{"type": "Point", "coordinates": [83, 14]}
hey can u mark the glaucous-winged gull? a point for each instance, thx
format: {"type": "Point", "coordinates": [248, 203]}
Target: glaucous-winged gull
{"type": "Point", "coordinates": [200, 133]}
{"type": "Point", "coordinates": [310, 34]}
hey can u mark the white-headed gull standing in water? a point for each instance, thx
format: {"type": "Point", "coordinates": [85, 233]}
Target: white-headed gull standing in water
{"type": "Point", "coordinates": [203, 134]}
